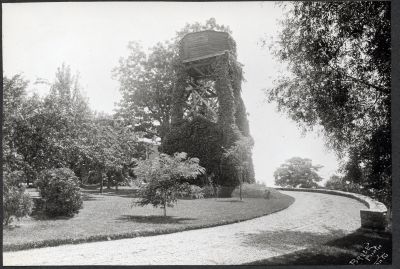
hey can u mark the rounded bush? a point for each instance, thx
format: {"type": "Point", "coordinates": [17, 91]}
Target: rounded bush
{"type": "Point", "coordinates": [16, 203]}
{"type": "Point", "coordinates": [59, 189]}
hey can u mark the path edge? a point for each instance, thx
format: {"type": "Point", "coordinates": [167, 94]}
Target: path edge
{"type": "Point", "coordinates": [375, 217]}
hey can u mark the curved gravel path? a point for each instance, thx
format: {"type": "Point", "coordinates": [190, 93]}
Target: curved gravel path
{"type": "Point", "coordinates": [314, 218]}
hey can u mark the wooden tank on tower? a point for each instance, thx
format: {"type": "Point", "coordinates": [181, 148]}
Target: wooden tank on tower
{"type": "Point", "coordinates": [198, 49]}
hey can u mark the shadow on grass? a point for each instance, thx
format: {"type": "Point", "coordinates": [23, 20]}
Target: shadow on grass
{"type": "Point", "coordinates": [154, 219]}
{"type": "Point", "coordinates": [40, 215]}
{"type": "Point", "coordinates": [90, 197]}
{"type": "Point", "coordinates": [339, 251]}
{"type": "Point", "coordinates": [10, 227]}
{"type": "Point", "coordinates": [287, 240]}
{"type": "Point", "coordinates": [230, 201]}
{"type": "Point", "coordinates": [110, 192]}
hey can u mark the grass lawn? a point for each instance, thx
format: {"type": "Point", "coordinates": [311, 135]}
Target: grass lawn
{"type": "Point", "coordinates": [110, 216]}
{"type": "Point", "coordinates": [355, 248]}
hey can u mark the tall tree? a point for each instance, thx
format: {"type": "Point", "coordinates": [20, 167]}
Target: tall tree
{"type": "Point", "coordinates": [67, 118]}
{"type": "Point", "coordinates": [14, 96]}
{"type": "Point", "coordinates": [23, 139]}
{"type": "Point", "coordinates": [338, 54]}
{"type": "Point", "coordinates": [111, 149]}
{"type": "Point", "coordinates": [147, 82]}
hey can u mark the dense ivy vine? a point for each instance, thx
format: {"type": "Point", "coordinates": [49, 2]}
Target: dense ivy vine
{"type": "Point", "coordinates": [205, 139]}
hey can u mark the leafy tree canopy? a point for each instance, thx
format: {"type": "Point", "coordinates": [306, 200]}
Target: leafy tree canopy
{"type": "Point", "coordinates": [298, 173]}
{"type": "Point", "coordinates": [60, 130]}
{"type": "Point", "coordinates": [336, 182]}
{"type": "Point", "coordinates": [338, 54]}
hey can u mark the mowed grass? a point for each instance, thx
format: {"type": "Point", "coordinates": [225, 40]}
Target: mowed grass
{"type": "Point", "coordinates": [111, 216]}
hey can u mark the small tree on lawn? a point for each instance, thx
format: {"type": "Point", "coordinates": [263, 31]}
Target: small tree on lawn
{"type": "Point", "coordinates": [239, 155]}
{"type": "Point", "coordinates": [163, 179]}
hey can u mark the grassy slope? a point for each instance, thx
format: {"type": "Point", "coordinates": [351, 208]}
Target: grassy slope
{"type": "Point", "coordinates": [339, 252]}
{"type": "Point", "coordinates": [110, 216]}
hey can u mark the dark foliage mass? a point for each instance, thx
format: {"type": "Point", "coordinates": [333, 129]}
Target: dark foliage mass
{"type": "Point", "coordinates": [59, 188]}
{"type": "Point", "coordinates": [339, 57]}
{"type": "Point", "coordinates": [16, 203]}
{"type": "Point", "coordinates": [199, 138]}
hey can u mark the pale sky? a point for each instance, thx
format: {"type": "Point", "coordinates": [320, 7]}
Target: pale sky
{"type": "Point", "coordinates": [91, 37]}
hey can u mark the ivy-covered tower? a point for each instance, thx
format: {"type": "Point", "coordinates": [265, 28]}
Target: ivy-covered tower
{"type": "Point", "coordinates": [208, 114]}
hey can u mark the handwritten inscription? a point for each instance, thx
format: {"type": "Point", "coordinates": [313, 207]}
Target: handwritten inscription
{"type": "Point", "coordinates": [371, 254]}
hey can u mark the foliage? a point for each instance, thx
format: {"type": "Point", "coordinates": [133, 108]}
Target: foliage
{"type": "Point", "coordinates": [255, 191]}
{"type": "Point", "coordinates": [16, 203]}
{"type": "Point", "coordinates": [298, 173]}
{"type": "Point", "coordinates": [147, 82]}
{"type": "Point", "coordinates": [19, 109]}
{"type": "Point", "coordinates": [60, 130]}
{"type": "Point", "coordinates": [340, 183]}
{"type": "Point", "coordinates": [339, 54]}
{"type": "Point", "coordinates": [59, 188]}
{"type": "Point", "coordinates": [210, 24]}
{"type": "Point", "coordinates": [13, 97]}
{"type": "Point", "coordinates": [191, 137]}
{"type": "Point", "coordinates": [209, 191]}
{"type": "Point", "coordinates": [239, 156]}
{"type": "Point", "coordinates": [44, 133]}
{"type": "Point", "coordinates": [111, 149]}
{"type": "Point", "coordinates": [230, 127]}
{"type": "Point", "coordinates": [196, 192]}
{"type": "Point", "coordinates": [164, 177]}
{"type": "Point", "coordinates": [151, 83]}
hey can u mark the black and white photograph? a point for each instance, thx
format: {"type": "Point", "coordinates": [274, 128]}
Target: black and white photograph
{"type": "Point", "coordinates": [197, 133]}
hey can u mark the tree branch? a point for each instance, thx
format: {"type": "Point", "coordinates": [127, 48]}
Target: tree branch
{"type": "Point", "coordinates": [380, 89]}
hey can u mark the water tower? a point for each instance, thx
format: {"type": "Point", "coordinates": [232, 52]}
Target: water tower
{"type": "Point", "coordinates": [209, 86]}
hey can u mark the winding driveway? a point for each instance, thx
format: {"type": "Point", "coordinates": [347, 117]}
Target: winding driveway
{"type": "Point", "coordinates": [314, 218]}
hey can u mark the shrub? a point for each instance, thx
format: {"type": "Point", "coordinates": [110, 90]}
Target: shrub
{"type": "Point", "coordinates": [59, 188]}
{"type": "Point", "coordinates": [196, 192]}
{"type": "Point", "coordinates": [209, 191]}
{"type": "Point", "coordinates": [16, 203]}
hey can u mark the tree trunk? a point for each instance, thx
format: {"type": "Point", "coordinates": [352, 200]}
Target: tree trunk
{"type": "Point", "coordinates": [240, 191]}
{"type": "Point", "coordinates": [116, 186]}
{"type": "Point", "coordinates": [240, 184]}
{"type": "Point", "coordinates": [165, 205]}
{"type": "Point", "coordinates": [101, 182]}
{"type": "Point", "coordinates": [215, 190]}
{"type": "Point", "coordinates": [108, 182]}
{"type": "Point", "coordinates": [7, 221]}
